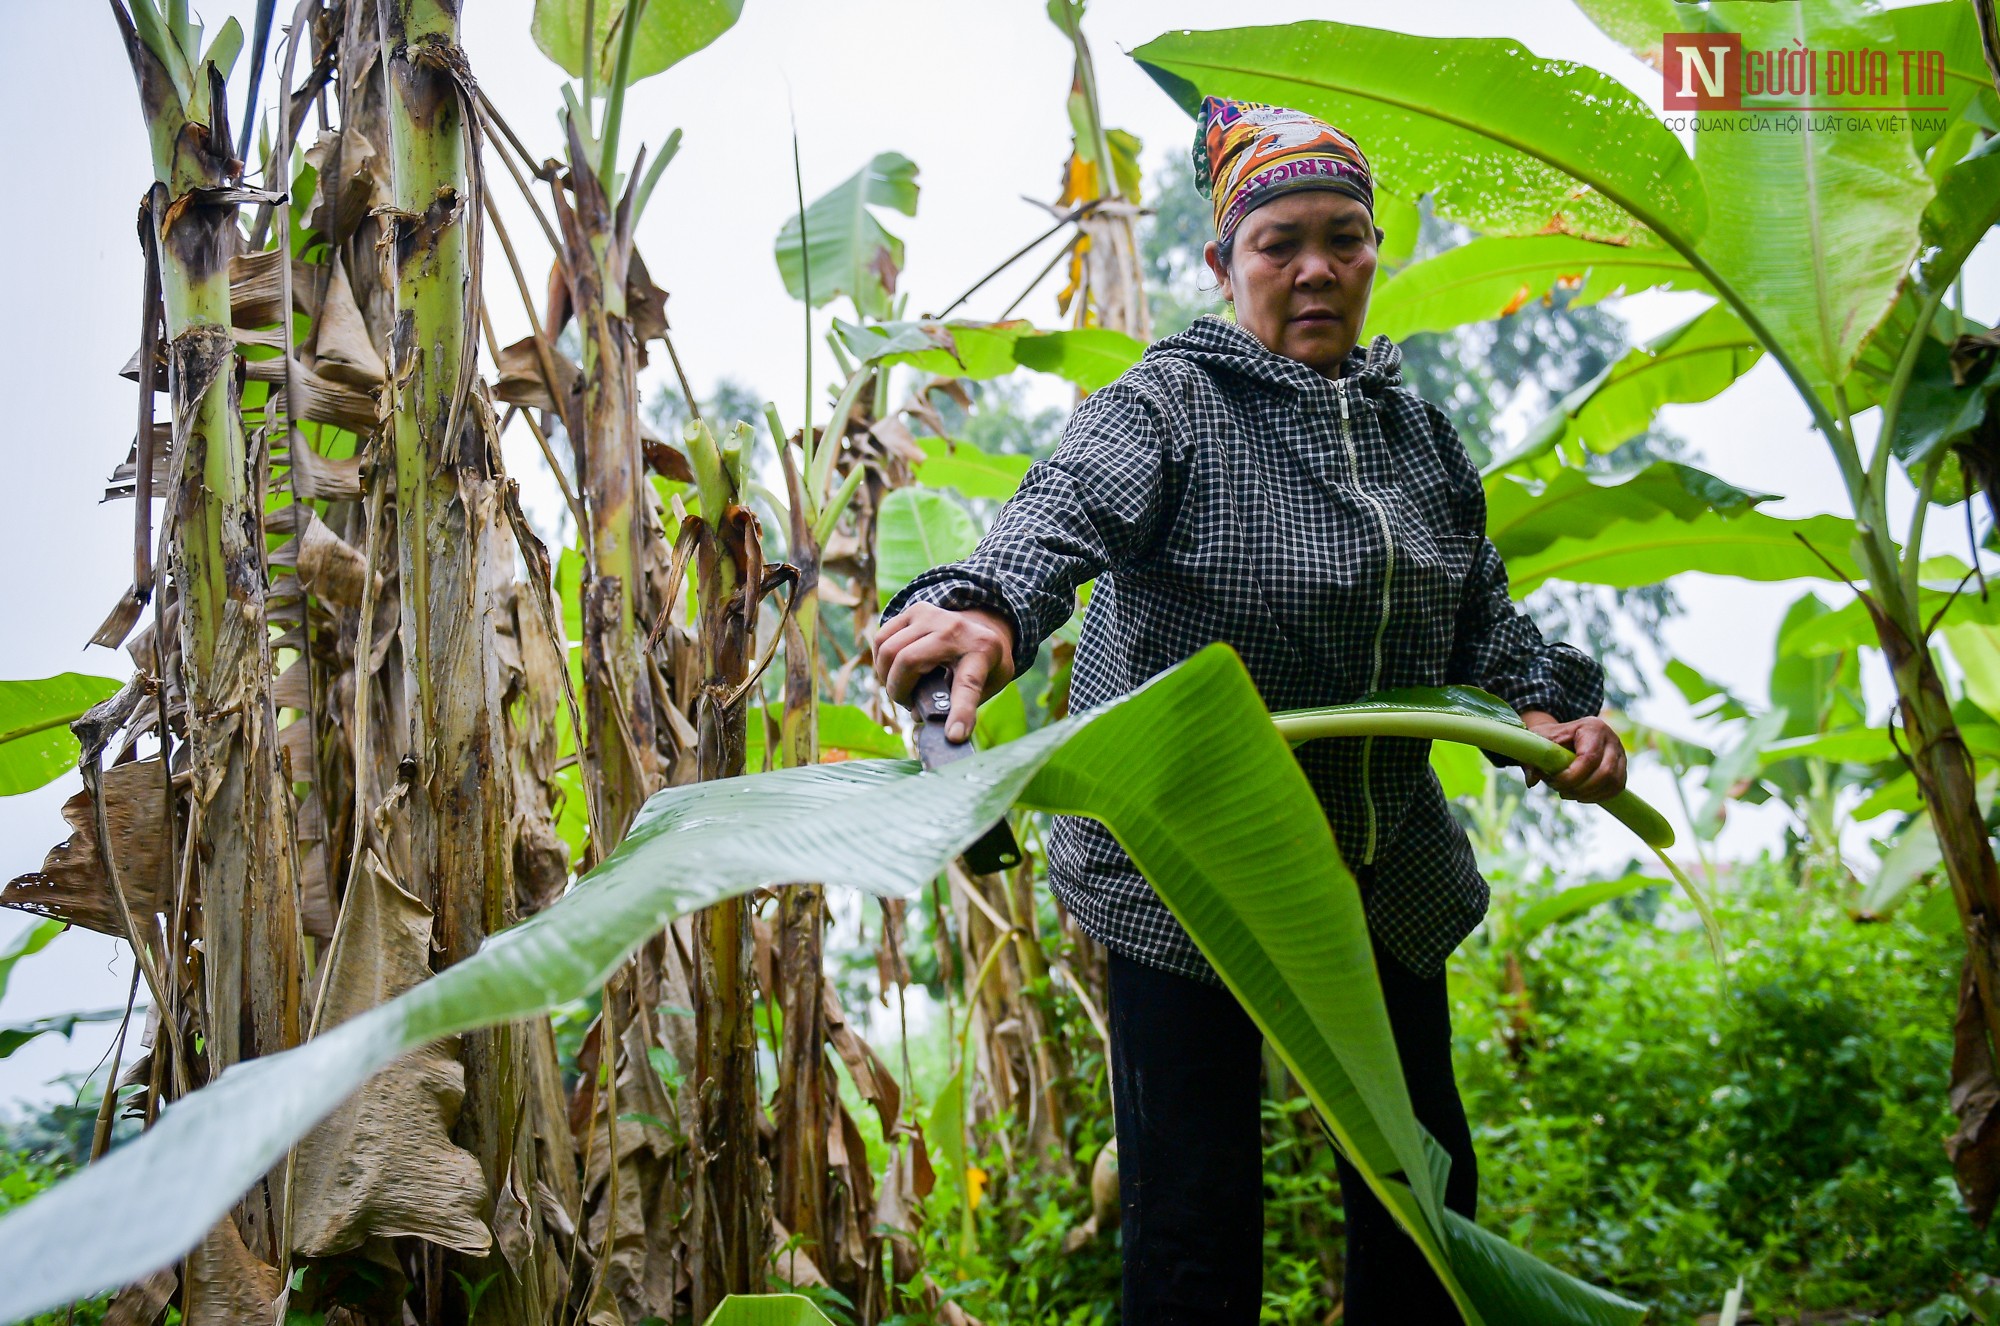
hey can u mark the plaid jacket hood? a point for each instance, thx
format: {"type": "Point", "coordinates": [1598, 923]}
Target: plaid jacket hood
{"type": "Point", "coordinates": [1333, 532]}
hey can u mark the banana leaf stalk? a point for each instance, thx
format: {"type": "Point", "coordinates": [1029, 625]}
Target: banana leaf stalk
{"type": "Point", "coordinates": [799, 1175]}
{"type": "Point", "coordinates": [1475, 718]}
{"type": "Point", "coordinates": [1230, 833]}
{"type": "Point", "coordinates": [731, 1217]}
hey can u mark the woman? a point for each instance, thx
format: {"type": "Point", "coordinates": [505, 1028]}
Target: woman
{"type": "Point", "coordinates": [1270, 483]}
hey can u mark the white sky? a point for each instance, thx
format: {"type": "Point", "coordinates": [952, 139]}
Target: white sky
{"type": "Point", "coordinates": [973, 92]}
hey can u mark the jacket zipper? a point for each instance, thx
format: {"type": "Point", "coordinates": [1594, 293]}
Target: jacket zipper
{"type": "Point", "coordinates": [1381, 625]}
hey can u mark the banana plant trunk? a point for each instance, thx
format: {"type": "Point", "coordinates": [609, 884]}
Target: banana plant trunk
{"type": "Point", "coordinates": [250, 965]}
{"type": "Point", "coordinates": [622, 753]}
{"type": "Point", "coordinates": [456, 569]}
{"type": "Point", "coordinates": [1946, 777]}
{"type": "Point", "coordinates": [731, 1209]}
{"type": "Point", "coordinates": [800, 1176]}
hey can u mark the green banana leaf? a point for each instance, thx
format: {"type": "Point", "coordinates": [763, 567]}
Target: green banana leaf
{"type": "Point", "coordinates": [667, 34]}
{"type": "Point", "coordinates": [767, 1310]}
{"type": "Point", "coordinates": [1525, 517]}
{"type": "Point", "coordinates": [1637, 24]}
{"type": "Point", "coordinates": [1937, 411]}
{"type": "Point", "coordinates": [1861, 745]}
{"type": "Point", "coordinates": [1914, 854]}
{"type": "Point", "coordinates": [1948, 594]}
{"type": "Point", "coordinates": [1822, 694]}
{"type": "Point", "coordinates": [1090, 357]}
{"type": "Point", "coordinates": [974, 473]}
{"type": "Point", "coordinates": [845, 728]}
{"type": "Point", "coordinates": [32, 941]}
{"type": "Point", "coordinates": [16, 1034]}
{"type": "Point", "coordinates": [1708, 697]}
{"type": "Point", "coordinates": [1750, 546]}
{"type": "Point", "coordinates": [850, 252]}
{"type": "Point", "coordinates": [1490, 278]}
{"type": "Point", "coordinates": [1814, 231]}
{"type": "Point", "coordinates": [1950, 27]}
{"type": "Point", "coordinates": [1498, 135]}
{"type": "Point", "coordinates": [1229, 831]}
{"type": "Point", "coordinates": [36, 745]}
{"type": "Point", "coordinates": [1569, 903]}
{"type": "Point", "coordinates": [1692, 362]}
{"type": "Point", "coordinates": [1968, 84]}
{"type": "Point", "coordinates": [1967, 206]}
{"type": "Point", "coordinates": [948, 349]}
{"type": "Point", "coordinates": [917, 529]}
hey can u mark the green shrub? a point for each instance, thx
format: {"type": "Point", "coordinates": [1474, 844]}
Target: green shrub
{"type": "Point", "coordinates": [1652, 1135]}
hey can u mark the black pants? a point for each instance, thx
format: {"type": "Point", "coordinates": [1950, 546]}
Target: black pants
{"type": "Point", "coordinates": [1186, 1068]}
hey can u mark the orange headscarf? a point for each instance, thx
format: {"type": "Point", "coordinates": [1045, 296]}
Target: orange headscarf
{"type": "Point", "coordinates": [1247, 153]}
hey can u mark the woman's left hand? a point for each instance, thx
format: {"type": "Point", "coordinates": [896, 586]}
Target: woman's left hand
{"type": "Point", "coordinates": [1598, 771]}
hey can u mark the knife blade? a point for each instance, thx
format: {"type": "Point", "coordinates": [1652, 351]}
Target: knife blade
{"type": "Point", "coordinates": [996, 850]}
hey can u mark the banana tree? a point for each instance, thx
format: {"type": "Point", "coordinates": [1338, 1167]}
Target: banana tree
{"type": "Point", "coordinates": [1232, 837]}
{"type": "Point", "coordinates": [840, 479]}
{"type": "Point", "coordinates": [1834, 248]}
{"type": "Point", "coordinates": [251, 962]}
{"type": "Point", "coordinates": [653, 716]}
{"type": "Point", "coordinates": [455, 544]}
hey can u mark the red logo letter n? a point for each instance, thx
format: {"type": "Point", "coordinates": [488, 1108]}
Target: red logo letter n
{"type": "Point", "coordinates": [1701, 70]}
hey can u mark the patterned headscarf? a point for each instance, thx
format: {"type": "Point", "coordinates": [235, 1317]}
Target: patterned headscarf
{"type": "Point", "coordinates": [1247, 153]}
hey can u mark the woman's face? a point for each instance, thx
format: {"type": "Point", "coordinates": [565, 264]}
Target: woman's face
{"type": "Point", "coordinates": [1299, 275]}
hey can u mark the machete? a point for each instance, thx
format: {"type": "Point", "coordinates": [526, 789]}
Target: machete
{"type": "Point", "coordinates": [930, 703]}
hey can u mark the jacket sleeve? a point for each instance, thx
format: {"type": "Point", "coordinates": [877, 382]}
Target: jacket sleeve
{"type": "Point", "coordinates": [1496, 646]}
{"type": "Point", "coordinates": [1093, 506]}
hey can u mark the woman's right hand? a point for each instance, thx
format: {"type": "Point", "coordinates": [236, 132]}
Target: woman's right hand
{"type": "Point", "coordinates": [976, 643]}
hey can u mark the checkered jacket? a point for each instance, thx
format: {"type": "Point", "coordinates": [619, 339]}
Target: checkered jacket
{"type": "Point", "coordinates": [1333, 532]}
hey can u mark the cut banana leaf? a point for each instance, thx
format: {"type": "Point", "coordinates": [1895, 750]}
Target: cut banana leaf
{"type": "Point", "coordinates": [1229, 831]}
{"type": "Point", "coordinates": [767, 1310]}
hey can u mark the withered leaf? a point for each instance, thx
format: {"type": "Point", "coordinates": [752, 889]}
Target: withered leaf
{"type": "Point", "coordinates": [256, 292]}
{"type": "Point", "coordinates": [227, 1283]}
{"type": "Point", "coordinates": [871, 1076]}
{"type": "Point", "coordinates": [321, 399]}
{"type": "Point", "coordinates": [521, 383]}
{"type": "Point", "coordinates": [342, 350]}
{"type": "Point", "coordinates": [330, 566]}
{"type": "Point", "coordinates": [71, 885]}
{"type": "Point", "coordinates": [645, 305]}
{"type": "Point", "coordinates": [118, 623]}
{"type": "Point", "coordinates": [384, 1164]}
{"type": "Point", "coordinates": [322, 478]}
{"type": "Point", "coordinates": [362, 181]}
{"type": "Point", "coordinates": [141, 1303]}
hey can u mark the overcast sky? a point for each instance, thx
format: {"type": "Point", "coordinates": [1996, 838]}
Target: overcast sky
{"type": "Point", "coordinates": [972, 90]}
